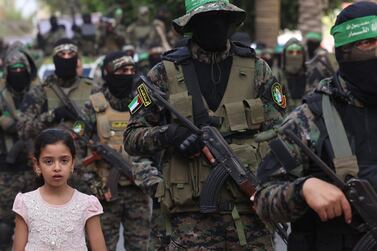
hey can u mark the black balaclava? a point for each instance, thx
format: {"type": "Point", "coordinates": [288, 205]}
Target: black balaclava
{"type": "Point", "coordinates": [65, 68]}
{"type": "Point", "coordinates": [119, 85]}
{"type": "Point", "coordinates": [312, 45]}
{"type": "Point", "coordinates": [361, 76]}
{"type": "Point", "coordinates": [54, 23]}
{"type": "Point", "coordinates": [18, 81]}
{"type": "Point", "coordinates": [211, 30]}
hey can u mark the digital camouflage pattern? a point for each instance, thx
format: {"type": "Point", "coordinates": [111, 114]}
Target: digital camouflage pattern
{"type": "Point", "coordinates": [193, 231]}
{"type": "Point", "coordinates": [278, 196]}
{"type": "Point", "coordinates": [145, 126]}
{"type": "Point", "coordinates": [322, 65]}
{"type": "Point", "coordinates": [133, 210]}
{"type": "Point", "coordinates": [133, 207]}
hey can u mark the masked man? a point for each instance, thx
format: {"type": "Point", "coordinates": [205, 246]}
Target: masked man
{"type": "Point", "coordinates": [293, 72]}
{"type": "Point", "coordinates": [229, 80]}
{"type": "Point", "coordinates": [109, 114]}
{"type": "Point", "coordinates": [338, 123]}
{"type": "Point", "coordinates": [42, 108]}
{"type": "Point", "coordinates": [15, 173]}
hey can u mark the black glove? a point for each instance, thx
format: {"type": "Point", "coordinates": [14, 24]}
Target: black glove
{"type": "Point", "coordinates": [184, 141]}
{"type": "Point", "coordinates": [62, 113]}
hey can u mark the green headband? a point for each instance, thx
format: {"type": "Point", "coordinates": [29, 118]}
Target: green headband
{"type": "Point", "coordinates": [193, 4]}
{"type": "Point", "coordinates": [314, 36]}
{"type": "Point", "coordinates": [355, 30]}
{"type": "Point", "coordinates": [294, 47]}
{"type": "Point", "coordinates": [17, 65]}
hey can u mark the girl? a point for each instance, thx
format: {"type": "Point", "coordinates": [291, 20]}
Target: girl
{"type": "Point", "coordinates": [53, 217]}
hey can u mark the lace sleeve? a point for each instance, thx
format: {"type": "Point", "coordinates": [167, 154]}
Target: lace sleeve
{"type": "Point", "coordinates": [94, 207]}
{"type": "Point", "coordinates": [19, 206]}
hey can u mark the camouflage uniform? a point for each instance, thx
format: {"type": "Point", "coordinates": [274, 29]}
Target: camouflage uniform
{"type": "Point", "coordinates": [110, 36]}
{"type": "Point", "coordinates": [132, 207]}
{"type": "Point", "coordinates": [142, 33]}
{"type": "Point", "coordinates": [322, 65]}
{"type": "Point", "coordinates": [192, 230]}
{"type": "Point", "coordinates": [15, 171]}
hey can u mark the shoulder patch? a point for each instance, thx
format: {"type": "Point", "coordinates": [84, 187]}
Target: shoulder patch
{"type": "Point", "coordinates": [278, 96]}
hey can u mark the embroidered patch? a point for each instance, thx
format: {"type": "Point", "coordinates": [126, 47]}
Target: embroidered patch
{"type": "Point", "coordinates": [79, 128]}
{"type": "Point", "coordinates": [278, 96]}
{"type": "Point", "coordinates": [118, 125]}
{"type": "Point", "coordinates": [143, 94]}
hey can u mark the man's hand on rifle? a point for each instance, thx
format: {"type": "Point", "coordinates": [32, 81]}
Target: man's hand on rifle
{"type": "Point", "coordinates": [63, 113]}
{"type": "Point", "coordinates": [184, 141]}
{"type": "Point", "coordinates": [327, 200]}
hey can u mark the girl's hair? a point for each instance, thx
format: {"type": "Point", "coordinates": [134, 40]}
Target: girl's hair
{"type": "Point", "coordinates": [53, 136]}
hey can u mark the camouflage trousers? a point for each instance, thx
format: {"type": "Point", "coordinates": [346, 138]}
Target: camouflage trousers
{"type": "Point", "coordinates": [195, 231]}
{"type": "Point", "coordinates": [133, 210]}
{"type": "Point", "coordinates": [159, 239]}
{"type": "Point", "coordinates": [11, 183]}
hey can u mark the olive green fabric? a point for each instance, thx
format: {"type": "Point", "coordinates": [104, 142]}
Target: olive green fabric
{"type": "Point", "coordinates": [345, 162]}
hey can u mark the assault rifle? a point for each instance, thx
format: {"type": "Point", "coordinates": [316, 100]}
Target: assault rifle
{"type": "Point", "coordinates": [98, 150]}
{"type": "Point", "coordinates": [359, 193]}
{"type": "Point", "coordinates": [226, 164]}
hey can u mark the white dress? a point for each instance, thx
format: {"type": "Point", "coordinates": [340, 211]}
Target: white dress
{"type": "Point", "coordinates": [56, 227]}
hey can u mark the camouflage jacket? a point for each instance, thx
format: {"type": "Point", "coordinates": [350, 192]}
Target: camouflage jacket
{"type": "Point", "coordinates": [35, 115]}
{"type": "Point", "coordinates": [278, 197]}
{"type": "Point", "coordinates": [142, 134]}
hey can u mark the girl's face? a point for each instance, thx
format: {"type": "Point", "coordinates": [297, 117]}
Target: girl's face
{"type": "Point", "coordinates": [55, 164]}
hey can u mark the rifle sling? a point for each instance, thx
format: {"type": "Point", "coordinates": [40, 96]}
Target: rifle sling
{"type": "Point", "coordinates": [344, 161]}
{"type": "Point", "coordinates": [200, 113]}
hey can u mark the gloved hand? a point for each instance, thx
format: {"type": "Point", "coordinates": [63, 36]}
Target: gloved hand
{"type": "Point", "coordinates": [62, 113]}
{"type": "Point", "coordinates": [184, 141]}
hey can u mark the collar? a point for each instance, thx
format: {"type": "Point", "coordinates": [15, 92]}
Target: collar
{"type": "Point", "coordinates": [116, 103]}
{"type": "Point", "coordinates": [208, 56]}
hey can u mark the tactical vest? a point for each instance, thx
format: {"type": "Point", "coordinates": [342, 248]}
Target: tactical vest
{"type": "Point", "coordinates": [309, 233]}
{"type": "Point", "coordinates": [242, 112]}
{"type": "Point", "coordinates": [78, 92]}
{"type": "Point", "coordinates": [110, 127]}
